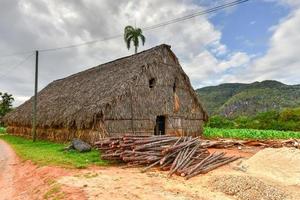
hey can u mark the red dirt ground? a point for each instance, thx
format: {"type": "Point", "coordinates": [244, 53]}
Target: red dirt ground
{"type": "Point", "coordinates": [24, 180]}
{"type": "Point", "coordinates": [21, 180]}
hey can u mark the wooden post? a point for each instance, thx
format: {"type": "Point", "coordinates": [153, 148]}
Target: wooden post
{"type": "Point", "coordinates": [131, 108]}
{"type": "Point", "coordinates": [35, 96]}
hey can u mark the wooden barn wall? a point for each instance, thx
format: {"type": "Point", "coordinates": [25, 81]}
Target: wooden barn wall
{"type": "Point", "coordinates": [58, 134]}
{"type": "Point", "coordinates": [137, 111]}
{"type": "Point", "coordinates": [183, 127]}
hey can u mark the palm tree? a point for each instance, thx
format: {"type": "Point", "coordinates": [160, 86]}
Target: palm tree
{"type": "Point", "coordinates": [133, 34]}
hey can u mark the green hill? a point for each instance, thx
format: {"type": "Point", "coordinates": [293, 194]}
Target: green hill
{"type": "Point", "coordinates": [238, 99]}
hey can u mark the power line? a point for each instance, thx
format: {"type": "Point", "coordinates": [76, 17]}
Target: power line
{"type": "Point", "coordinates": [17, 65]}
{"type": "Point", "coordinates": [176, 20]}
{"type": "Point", "coordinates": [4, 63]}
{"type": "Point", "coordinates": [226, 5]}
{"type": "Point", "coordinates": [196, 14]}
{"type": "Point", "coordinates": [16, 54]}
{"type": "Point", "coordinates": [81, 44]}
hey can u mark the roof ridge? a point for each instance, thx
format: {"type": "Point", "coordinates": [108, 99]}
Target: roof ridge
{"type": "Point", "coordinates": [118, 59]}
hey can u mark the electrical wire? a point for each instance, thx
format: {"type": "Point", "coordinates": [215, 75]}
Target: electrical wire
{"type": "Point", "coordinates": [81, 44]}
{"type": "Point", "coordinates": [147, 28]}
{"type": "Point", "coordinates": [16, 65]}
{"type": "Point", "coordinates": [196, 14]}
{"type": "Point", "coordinates": [16, 54]}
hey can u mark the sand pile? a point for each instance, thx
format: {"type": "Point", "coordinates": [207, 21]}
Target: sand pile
{"type": "Point", "coordinates": [282, 165]}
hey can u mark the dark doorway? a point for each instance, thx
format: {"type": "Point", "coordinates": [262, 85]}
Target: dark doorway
{"type": "Point", "coordinates": [160, 125]}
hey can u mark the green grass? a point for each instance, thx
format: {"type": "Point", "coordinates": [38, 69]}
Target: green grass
{"type": "Point", "coordinates": [249, 133]}
{"type": "Point", "coordinates": [2, 130]}
{"type": "Point", "coordinates": [49, 153]}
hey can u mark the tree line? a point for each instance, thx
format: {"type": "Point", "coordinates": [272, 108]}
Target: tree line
{"type": "Point", "coordinates": [6, 103]}
{"type": "Point", "coordinates": [285, 120]}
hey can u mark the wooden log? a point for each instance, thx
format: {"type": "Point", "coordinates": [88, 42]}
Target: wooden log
{"type": "Point", "coordinates": [209, 168]}
{"type": "Point", "coordinates": [185, 156]}
{"type": "Point", "coordinates": [154, 144]}
{"type": "Point", "coordinates": [181, 145]}
{"type": "Point", "coordinates": [200, 163]}
{"type": "Point", "coordinates": [148, 167]}
{"type": "Point", "coordinates": [187, 160]}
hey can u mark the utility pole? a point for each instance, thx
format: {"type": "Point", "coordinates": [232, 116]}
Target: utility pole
{"type": "Point", "coordinates": [35, 96]}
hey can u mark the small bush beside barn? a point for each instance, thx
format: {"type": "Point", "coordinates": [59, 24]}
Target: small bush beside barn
{"type": "Point", "coordinates": [146, 93]}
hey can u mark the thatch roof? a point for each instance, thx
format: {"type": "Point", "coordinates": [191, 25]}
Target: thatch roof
{"type": "Point", "coordinates": [76, 100]}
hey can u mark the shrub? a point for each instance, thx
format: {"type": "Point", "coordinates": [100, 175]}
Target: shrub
{"type": "Point", "coordinates": [290, 115]}
{"type": "Point", "coordinates": [219, 122]}
{"type": "Point", "coordinates": [2, 130]}
{"type": "Point", "coordinates": [285, 120]}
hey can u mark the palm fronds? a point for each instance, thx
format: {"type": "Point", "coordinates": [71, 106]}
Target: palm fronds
{"type": "Point", "coordinates": [132, 34]}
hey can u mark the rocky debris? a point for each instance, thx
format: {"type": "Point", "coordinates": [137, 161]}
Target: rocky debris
{"type": "Point", "coordinates": [79, 145]}
{"type": "Point", "coordinates": [247, 188]}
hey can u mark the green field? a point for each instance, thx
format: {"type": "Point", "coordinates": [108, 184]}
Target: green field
{"type": "Point", "coordinates": [49, 153]}
{"type": "Point", "coordinates": [249, 133]}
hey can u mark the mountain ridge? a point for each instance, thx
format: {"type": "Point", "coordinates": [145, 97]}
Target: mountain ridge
{"type": "Point", "coordinates": [248, 99]}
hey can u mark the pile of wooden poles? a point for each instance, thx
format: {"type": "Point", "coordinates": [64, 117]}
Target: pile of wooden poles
{"type": "Point", "coordinates": [184, 156]}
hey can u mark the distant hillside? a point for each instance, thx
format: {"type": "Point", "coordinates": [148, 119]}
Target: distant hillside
{"type": "Point", "coordinates": [236, 99]}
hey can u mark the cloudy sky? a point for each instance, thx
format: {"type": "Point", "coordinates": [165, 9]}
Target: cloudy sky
{"type": "Point", "coordinates": [254, 41]}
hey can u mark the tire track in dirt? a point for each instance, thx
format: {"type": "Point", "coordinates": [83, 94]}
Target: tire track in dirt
{"type": "Point", "coordinates": [7, 171]}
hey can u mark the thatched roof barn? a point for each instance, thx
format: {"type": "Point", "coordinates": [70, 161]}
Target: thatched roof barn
{"type": "Point", "coordinates": [146, 93]}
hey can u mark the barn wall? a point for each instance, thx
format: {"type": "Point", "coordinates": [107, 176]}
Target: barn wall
{"type": "Point", "coordinates": [138, 110]}
{"type": "Point", "coordinates": [57, 134]}
{"type": "Point", "coordinates": [140, 126]}
{"type": "Point", "coordinates": [183, 127]}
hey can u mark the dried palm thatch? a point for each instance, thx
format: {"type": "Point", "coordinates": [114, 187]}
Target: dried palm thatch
{"type": "Point", "coordinates": [118, 97]}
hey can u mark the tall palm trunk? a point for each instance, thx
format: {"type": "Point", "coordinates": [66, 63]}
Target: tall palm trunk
{"type": "Point", "coordinates": [135, 49]}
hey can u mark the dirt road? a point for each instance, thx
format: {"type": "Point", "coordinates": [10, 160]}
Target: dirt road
{"type": "Point", "coordinates": [270, 174]}
{"type": "Point", "coordinates": [23, 180]}
{"type": "Point", "coordinates": [7, 170]}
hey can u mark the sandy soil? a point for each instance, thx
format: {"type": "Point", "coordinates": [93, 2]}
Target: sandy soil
{"type": "Point", "coordinates": [239, 180]}
{"type": "Point", "coordinates": [117, 183]}
{"type": "Point", "coordinates": [280, 165]}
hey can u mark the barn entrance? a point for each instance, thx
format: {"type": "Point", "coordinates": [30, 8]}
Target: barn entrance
{"type": "Point", "coordinates": [160, 125]}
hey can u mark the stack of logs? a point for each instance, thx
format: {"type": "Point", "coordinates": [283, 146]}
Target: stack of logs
{"type": "Point", "coordinates": [184, 156]}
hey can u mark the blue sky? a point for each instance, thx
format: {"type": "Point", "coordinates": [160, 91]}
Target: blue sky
{"type": "Point", "coordinates": [256, 30]}
{"type": "Point", "coordinates": [247, 27]}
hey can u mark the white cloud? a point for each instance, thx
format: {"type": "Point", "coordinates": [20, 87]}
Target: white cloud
{"type": "Point", "coordinates": [46, 23]}
{"type": "Point", "coordinates": [197, 42]}
{"type": "Point", "coordinates": [218, 48]}
{"type": "Point", "coordinates": [282, 58]}
{"type": "Point", "coordinates": [238, 59]}
{"type": "Point", "coordinates": [281, 61]}
{"type": "Point", "coordinates": [205, 69]}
